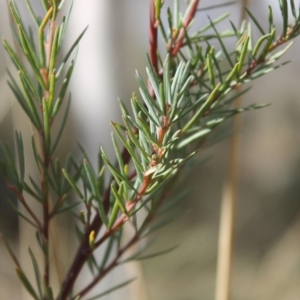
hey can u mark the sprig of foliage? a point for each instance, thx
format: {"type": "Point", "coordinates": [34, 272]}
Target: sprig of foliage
{"type": "Point", "coordinates": [187, 94]}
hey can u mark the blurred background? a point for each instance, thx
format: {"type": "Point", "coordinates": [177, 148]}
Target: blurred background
{"type": "Point", "coordinates": [267, 243]}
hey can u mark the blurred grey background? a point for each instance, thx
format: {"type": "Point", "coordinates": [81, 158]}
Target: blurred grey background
{"type": "Point", "coordinates": [267, 243]}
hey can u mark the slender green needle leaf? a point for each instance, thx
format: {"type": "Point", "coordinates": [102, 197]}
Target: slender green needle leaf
{"type": "Point", "coordinates": [127, 145]}
{"type": "Point", "coordinates": [45, 5]}
{"type": "Point", "coordinates": [20, 98]}
{"type": "Point", "coordinates": [100, 180]}
{"type": "Point", "coordinates": [167, 83]}
{"type": "Point", "coordinates": [26, 283]}
{"type": "Point", "coordinates": [250, 44]}
{"type": "Point", "coordinates": [116, 173]}
{"type": "Point", "coordinates": [157, 253]}
{"type": "Point", "coordinates": [148, 99]}
{"type": "Point", "coordinates": [123, 108]}
{"type": "Point", "coordinates": [20, 150]}
{"type": "Point", "coordinates": [114, 215]}
{"type": "Point", "coordinates": [293, 8]}
{"type": "Point", "coordinates": [284, 11]}
{"type": "Point", "coordinates": [229, 78]}
{"type": "Point", "coordinates": [29, 190]}
{"type": "Point", "coordinates": [41, 36]}
{"type": "Point", "coordinates": [156, 86]}
{"type": "Point", "coordinates": [178, 78]}
{"type": "Point", "coordinates": [217, 65]}
{"type": "Point", "coordinates": [217, 6]}
{"type": "Point", "coordinates": [140, 251]}
{"type": "Point", "coordinates": [71, 164]}
{"type": "Point", "coordinates": [149, 103]}
{"type": "Point", "coordinates": [243, 55]}
{"type": "Point", "coordinates": [163, 33]}
{"type": "Point", "coordinates": [51, 91]}
{"type": "Point", "coordinates": [92, 264]}
{"type": "Point", "coordinates": [73, 183]}
{"type": "Point", "coordinates": [118, 154]}
{"type": "Point", "coordinates": [35, 154]}
{"type": "Point", "coordinates": [62, 125]}
{"type": "Point", "coordinates": [16, 61]}
{"type": "Point", "coordinates": [31, 105]}
{"type": "Point", "coordinates": [67, 208]}
{"type": "Point", "coordinates": [21, 214]}
{"type": "Point", "coordinates": [28, 82]}
{"type": "Point", "coordinates": [236, 31]}
{"type": "Point", "coordinates": [170, 21]}
{"type": "Point", "coordinates": [143, 128]}
{"type": "Point", "coordinates": [47, 132]}
{"type": "Point", "coordinates": [112, 289]}
{"type": "Point", "coordinates": [118, 197]}
{"type": "Point", "coordinates": [29, 52]}
{"type": "Point", "coordinates": [15, 13]}
{"type": "Point", "coordinates": [277, 55]}
{"type": "Point", "coordinates": [54, 51]}
{"type": "Point", "coordinates": [165, 221]}
{"type": "Point", "coordinates": [54, 3]}
{"type": "Point", "coordinates": [221, 42]}
{"type": "Point", "coordinates": [46, 171]}
{"type": "Point", "coordinates": [10, 166]}
{"type": "Point", "coordinates": [48, 292]}
{"type": "Point", "coordinates": [96, 193]}
{"type": "Point", "coordinates": [193, 137]}
{"type": "Point", "coordinates": [176, 15]}
{"type": "Point", "coordinates": [232, 98]}
{"type": "Point", "coordinates": [108, 249]}
{"type": "Point", "coordinates": [203, 108]}
{"type": "Point", "coordinates": [186, 109]}
{"type": "Point", "coordinates": [255, 21]}
{"type": "Point", "coordinates": [267, 45]}
{"type": "Point", "coordinates": [134, 139]}
{"type": "Point", "coordinates": [259, 43]}
{"type": "Point", "coordinates": [65, 22]}
{"type": "Point", "coordinates": [270, 17]}
{"type": "Point", "coordinates": [263, 71]}
{"type": "Point", "coordinates": [242, 39]}
{"type": "Point", "coordinates": [10, 251]}
{"type": "Point", "coordinates": [35, 186]}
{"type": "Point", "coordinates": [154, 120]}
{"type": "Point", "coordinates": [120, 160]}
{"type": "Point", "coordinates": [36, 273]}
{"type": "Point", "coordinates": [71, 50]}
{"type": "Point", "coordinates": [33, 15]}
{"type": "Point", "coordinates": [62, 91]}
{"type": "Point", "coordinates": [209, 26]}
{"type": "Point", "coordinates": [40, 241]}
{"type": "Point", "coordinates": [211, 74]}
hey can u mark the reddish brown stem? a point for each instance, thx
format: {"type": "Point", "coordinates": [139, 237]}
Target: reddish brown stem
{"type": "Point", "coordinates": [46, 214]}
{"type": "Point", "coordinates": [153, 37]}
{"type": "Point", "coordinates": [84, 251]}
{"type": "Point", "coordinates": [189, 17]}
{"type": "Point", "coordinates": [111, 266]}
{"type": "Point", "coordinates": [121, 251]}
{"type": "Point", "coordinates": [45, 231]}
{"type": "Point", "coordinates": [153, 43]}
{"type": "Point", "coordinates": [27, 208]}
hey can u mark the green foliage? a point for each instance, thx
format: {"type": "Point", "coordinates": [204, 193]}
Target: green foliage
{"type": "Point", "coordinates": [188, 93]}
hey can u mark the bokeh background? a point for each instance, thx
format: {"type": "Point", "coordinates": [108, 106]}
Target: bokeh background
{"type": "Point", "coordinates": [267, 240]}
